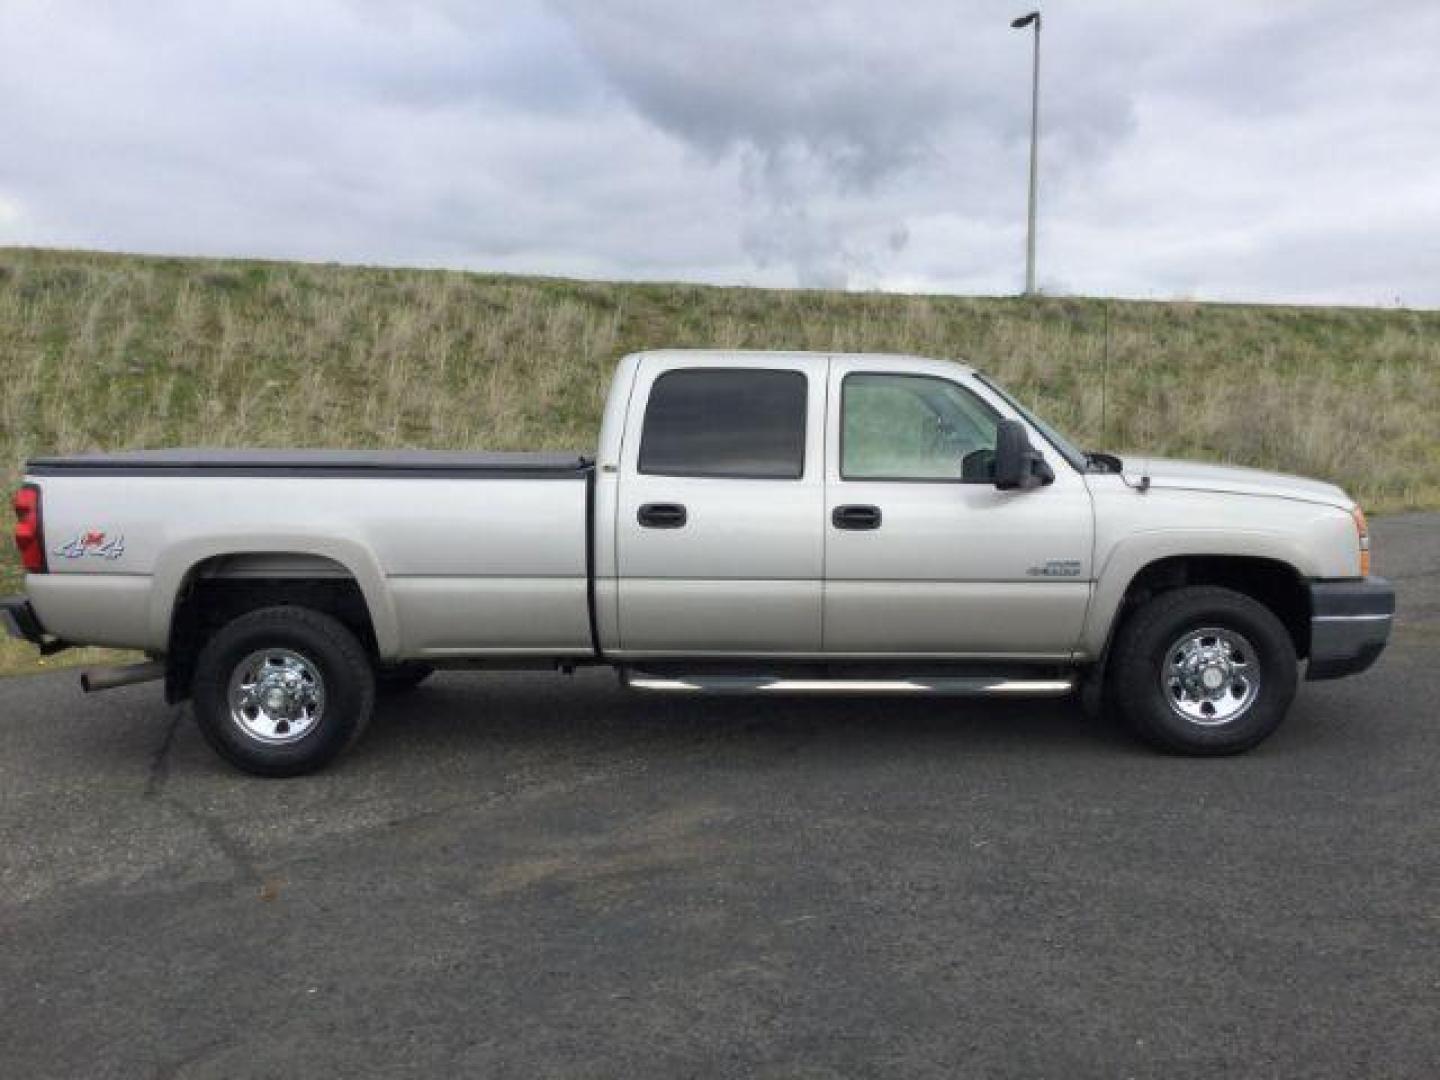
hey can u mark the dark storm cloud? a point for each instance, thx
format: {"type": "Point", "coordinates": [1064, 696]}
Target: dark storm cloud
{"type": "Point", "coordinates": [1230, 149]}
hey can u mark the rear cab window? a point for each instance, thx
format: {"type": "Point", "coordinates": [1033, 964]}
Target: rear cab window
{"type": "Point", "coordinates": [737, 423]}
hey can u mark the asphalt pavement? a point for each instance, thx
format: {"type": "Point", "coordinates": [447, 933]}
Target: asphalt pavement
{"type": "Point", "coordinates": [533, 875]}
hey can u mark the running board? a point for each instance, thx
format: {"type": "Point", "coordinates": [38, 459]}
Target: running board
{"type": "Point", "coordinates": [960, 686]}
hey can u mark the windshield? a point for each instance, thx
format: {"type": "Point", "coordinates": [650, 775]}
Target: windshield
{"type": "Point", "coordinates": [1066, 449]}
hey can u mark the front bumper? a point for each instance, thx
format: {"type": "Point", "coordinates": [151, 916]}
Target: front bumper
{"type": "Point", "coordinates": [1349, 625]}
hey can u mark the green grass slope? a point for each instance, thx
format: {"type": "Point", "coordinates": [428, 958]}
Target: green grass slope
{"type": "Point", "coordinates": [112, 351]}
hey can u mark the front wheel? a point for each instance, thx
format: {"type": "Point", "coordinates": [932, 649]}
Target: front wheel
{"type": "Point", "coordinates": [1203, 671]}
{"type": "Point", "coordinates": [282, 690]}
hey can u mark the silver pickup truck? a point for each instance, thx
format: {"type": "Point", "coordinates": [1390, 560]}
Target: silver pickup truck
{"type": "Point", "coordinates": [751, 523]}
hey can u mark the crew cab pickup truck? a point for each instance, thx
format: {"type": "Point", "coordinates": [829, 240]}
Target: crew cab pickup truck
{"type": "Point", "coordinates": [751, 523]}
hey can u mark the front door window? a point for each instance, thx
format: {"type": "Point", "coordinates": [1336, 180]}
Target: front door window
{"type": "Point", "coordinates": [914, 427]}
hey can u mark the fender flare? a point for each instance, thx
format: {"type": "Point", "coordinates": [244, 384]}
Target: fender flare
{"type": "Point", "coordinates": [1136, 552]}
{"type": "Point", "coordinates": [175, 567]}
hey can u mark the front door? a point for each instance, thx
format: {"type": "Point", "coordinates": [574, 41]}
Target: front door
{"type": "Point", "coordinates": [718, 536]}
{"type": "Point", "coordinates": [923, 562]}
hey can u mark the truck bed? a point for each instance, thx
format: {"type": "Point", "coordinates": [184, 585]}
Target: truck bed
{"type": "Point", "coordinates": [488, 465]}
{"type": "Point", "coordinates": [456, 553]}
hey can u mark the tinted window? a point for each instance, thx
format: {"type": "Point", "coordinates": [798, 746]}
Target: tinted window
{"type": "Point", "coordinates": [702, 422]}
{"type": "Point", "coordinates": [913, 427]}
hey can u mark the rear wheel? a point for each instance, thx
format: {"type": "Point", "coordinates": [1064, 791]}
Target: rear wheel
{"type": "Point", "coordinates": [1203, 671]}
{"type": "Point", "coordinates": [282, 690]}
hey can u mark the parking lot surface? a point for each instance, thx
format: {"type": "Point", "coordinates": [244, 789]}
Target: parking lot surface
{"type": "Point", "coordinates": [529, 875]}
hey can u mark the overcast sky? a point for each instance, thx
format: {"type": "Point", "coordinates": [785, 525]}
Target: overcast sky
{"type": "Point", "coordinates": [1214, 149]}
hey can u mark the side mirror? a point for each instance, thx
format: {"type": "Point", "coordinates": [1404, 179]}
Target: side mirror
{"type": "Point", "coordinates": [1018, 465]}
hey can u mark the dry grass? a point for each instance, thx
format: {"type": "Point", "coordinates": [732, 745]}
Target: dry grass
{"type": "Point", "coordinates": [20, 658]}
{"type": "Point", "coordinates": [109, 351]}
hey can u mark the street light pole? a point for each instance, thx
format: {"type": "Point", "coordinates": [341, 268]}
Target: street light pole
{"type": "Point", "coordinates": [1020, 24]}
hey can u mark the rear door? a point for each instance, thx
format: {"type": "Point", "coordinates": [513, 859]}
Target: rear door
{"type": "Point", "coordinates": [921, 561]}
{"type": "Point", "coordinates": [718, 536]}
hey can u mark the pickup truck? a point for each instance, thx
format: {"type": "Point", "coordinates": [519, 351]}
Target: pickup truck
{"type": "Point", "coordinates": [759, 522]}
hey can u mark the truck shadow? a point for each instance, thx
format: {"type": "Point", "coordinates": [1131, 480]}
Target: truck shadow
{"type": "Point", "coordinates": [592, 711]}
{"type": "Point", "coordinates": [463, 712]}
{"type": "Point", "coordinates": [513, 720]}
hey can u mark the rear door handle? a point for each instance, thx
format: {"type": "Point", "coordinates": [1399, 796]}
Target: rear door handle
{"type": "Point", "coordinates": [856, 517]}
{"type": "Point", "coordinates": [661, 516]}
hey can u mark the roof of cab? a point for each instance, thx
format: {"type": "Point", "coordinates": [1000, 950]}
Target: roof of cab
{"type": "Point", "coordinates": [789, 355]}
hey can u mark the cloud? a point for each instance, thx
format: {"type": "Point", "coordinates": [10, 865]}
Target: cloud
{"type": "Point", "coordinates": [1222, 149]}
{"type": "Point", "coordinates": [826, 106]}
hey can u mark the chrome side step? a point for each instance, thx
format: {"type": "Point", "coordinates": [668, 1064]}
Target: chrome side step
{"type": "Point", "coordinates": [960, 686]}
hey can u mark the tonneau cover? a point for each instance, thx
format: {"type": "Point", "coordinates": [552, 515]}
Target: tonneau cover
{"type": "Point", "coordinates": [342, 463]}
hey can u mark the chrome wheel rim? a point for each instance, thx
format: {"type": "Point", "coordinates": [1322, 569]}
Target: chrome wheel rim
{"type": "Point", "coordinates": [276, 696]}
{"type": "Point", "coordinates": [1211, 676]}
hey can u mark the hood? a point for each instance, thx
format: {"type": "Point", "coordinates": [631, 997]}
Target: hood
{"type": "Point", "coordinates": [1196, 476]}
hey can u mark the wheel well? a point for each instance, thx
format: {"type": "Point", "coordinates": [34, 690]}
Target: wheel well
{"type": "Point", "coordinates": [1275, 584]}
{"type": "Point", "coordinates": [222, 588]}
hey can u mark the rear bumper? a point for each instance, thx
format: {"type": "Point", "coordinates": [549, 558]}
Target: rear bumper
{"type": "Point", "coordinates": [20, 621]}
{"type": "Point", "coordinates": [1349, 625]}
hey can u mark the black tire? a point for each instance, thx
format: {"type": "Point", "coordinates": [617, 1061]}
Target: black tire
{"type": "Point", "coordinates": [1142, 660]}
{"type": "Point", "coordinates": [402, 677]}
{"type": "Point", "coordinates": [318, 647]}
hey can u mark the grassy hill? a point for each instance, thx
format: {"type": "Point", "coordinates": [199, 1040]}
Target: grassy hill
{"type": "Point", "coordinates": [111, 351]}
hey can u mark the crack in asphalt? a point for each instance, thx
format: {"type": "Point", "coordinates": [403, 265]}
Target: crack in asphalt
{"type": "Point", "coordinates": [160, 763]}
{"type": "Point", "coordinates": [246, 869]}
{"type": "Point", "coordinates": [234, 852]}
{"type": "Point", "coordinates": [498, 798]}
{"type": "Point", "coordinates": [231, 849]}
{"type": "Point", "coordinates": [196, 1056]}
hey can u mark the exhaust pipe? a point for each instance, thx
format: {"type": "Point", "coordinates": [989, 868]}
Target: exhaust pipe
{"type": "Point", "coordinates": [97, 679]}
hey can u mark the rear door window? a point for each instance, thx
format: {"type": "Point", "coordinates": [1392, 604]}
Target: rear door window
{"type": "Point", "coordinates": [725, 423]}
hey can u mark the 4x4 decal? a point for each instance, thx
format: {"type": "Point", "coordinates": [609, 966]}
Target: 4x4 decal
{"type": "Point", "coordinates": [97, 545]}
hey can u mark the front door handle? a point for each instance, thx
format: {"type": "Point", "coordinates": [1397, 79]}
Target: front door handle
{"type": "Point", "coordinates": [661, 516]}
{"type": "Point", "coordinates": [856, 517]}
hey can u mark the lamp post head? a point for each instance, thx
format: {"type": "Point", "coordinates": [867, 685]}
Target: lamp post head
{"type": "Point", "coordinates": [1025, 20]}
